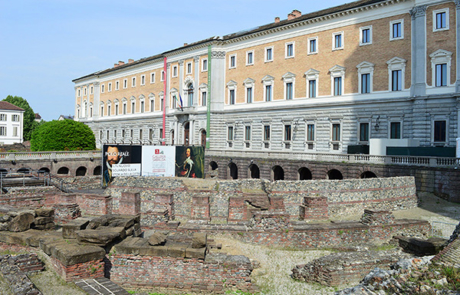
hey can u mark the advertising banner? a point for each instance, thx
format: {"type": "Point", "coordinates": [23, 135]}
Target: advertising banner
{"type": "Point", "coordinates": [158, 160]}
{"type": "Point", "coordinates": [120, 160]}
{"type": "Point", "coordinates": [190, 161]}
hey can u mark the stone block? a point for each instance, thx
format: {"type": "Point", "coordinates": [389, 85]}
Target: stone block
{"type": "Point", "coordinates": [44, 212]}
{"type": "Point", "coordinates": [432, 246]}
{"type": "Point", "coordinates": [199, 253]}
{"type": "Point", "coordinates": [176, 251]}
{"type": "Point", "coordinates": [71, 253]}
{"type": "Point", "coordinates": [21, 222]}
{"type": "Point", "coordinates": [101, 236]}
{"type": "Point", "coordinates": [199, 240]}
{"type": "Point", "coordinates": [43, 220]}
{"type": "Point", "coordinates": [158, 251]}
{"type": "Point", "coordinates": [68, 229]}
{"type": "Point", "coordinates": [157, 239]}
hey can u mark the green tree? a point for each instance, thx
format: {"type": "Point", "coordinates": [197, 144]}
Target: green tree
{"type": "Point", "coordinates": [29, 115]}
{"type": "Point", "coordinates": [65, 135]}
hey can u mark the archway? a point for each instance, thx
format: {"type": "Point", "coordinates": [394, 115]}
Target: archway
{"type": "Point", "coordinates": [186, 133]}
{"type": "Point", "coordinates": [3, 171]}
{"type": "Point", "coordinates": [81, 171]}
{"type": "Point", "coordinates": [334, 174]}
{"type": "Point", "coordinates": [213, 165]}
{"type": "Point", "coordinates": [368, 174]}
{"type": "Point", "coordinates": [254, 171]}
{"type": "Point", "coordinates": [24, 170]}
{"type": "Point", "coordinates": [233, 169]}
{"type": "Point", "coordinates": [203, 137]}
{"type": "Point", "coordinates": [63, 170]}
{"type": "Point", "coordinates": [278, 173]}
{"type": "Point", "coordinates": [97, 170]}
{"type": "Point", "coordinates": [44, 170]}
{"type": "Point", "coordinates": [305, 174]}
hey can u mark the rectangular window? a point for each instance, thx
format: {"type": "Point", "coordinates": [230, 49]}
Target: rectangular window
{"type": "Point", "coordinates": [441, 75]}
{"type": "Point", "coordinates": [338, 44]}
{"type": "Point", "coordinates": [2, 130]}
{"type": "Point", "coordinates": [289, 91]}
{"type": "Point", "coordinates": [152, 105]}
{"type": "Point", "coordinates": [311, 132]}
{"type": "Point", "coordinates": [204, 65]}
{"type": "Point", "coordinates": [175, 71]}
{"type": "Point", "coordinates": [312, 46]}
{"type": "Point", "coordinates": [268, 92]}
{"type": "Point", "coordinates": [109, 87]}
{"type": "Point", "coordinates": [267, 132]}
{"type": "Point", "coordinates": [125, 83]}
{"type": "Point", "coordinates": [250, 58]}
{"type": "Point", "coordinates": [396, 80]}
{"type": "Point", "coordinates": [232, 96]}
{"type": "Point", "coordinates": [337, 86]}
{"type": "Point", "coordinates": [134, 82]}
{"type": "Point", "coordinates": [440, 131]}
{"type": "Point", "coordinates": [140, 134]}
{"type": "Point", "coordinates": [102, 111]}
{"type": "Point", "coordinates": [287, 133]}
{"type": "Point", "coordinates": [84, 90]}
{"type": "Point", "coordinates": [269, 54]}
{"type": "Point", "coordinates": [102, 88]}
{"type": "Point", "coordinates": [189, 68]}
{"type": "Point", "coordinates": [364, 132]}
{"type": "Point", "coordinates": [109, 110]}
{"type": "Point", "coordinates": [162, 104]}
{"type": "Point", "coordinates": [335, 132]}
{"type": "Point", "coordinates": [15, 118]}
{"type": "Point", "coordinates": [247, 133]}
{"type": "Point", "coordinates": [142, 107]}
{"type": "Point", "coordinates": [78, 93]}
{"type": "Point", "coordinates": [249, 95]}
{"type": "Point", "coordinates": [203, 98]}
{"type": "Point", "coordinates": [143, 80]}
{"type": "Point", "coordinates": [395, 130]}
{"type": "Point", "coordinates": [365, 83]}
{"type": "Point", "coordinates": [289, 50]}
{"type": "Point", "coordinates": [366, 36]}
{"type": "Point", "coordinates": [396, 31]}
{"type": "Point", "coordinates": [116, 109]}
{"type": "Point", "coordinates": [161, 135]}
{"type": "Point", "coordinates": [312, 88]}
{"type": "Point", "coordinates": [152, 78]}
{"type": "Point", "coordinates": [230, 133]}
{"type": "Point", "coordinates": [233, 61]}
{"type": "Point", "coordinates": [441, 22]}
{"type": "Point", "coordinates": [150, 133]}
{"type": "Point", "coordinates": [162, 78]}
{"type": "Point", "coordinates": [124, 108]}
{"type": "Point", "coordinates": [91, 90]}
{"type": "Point", "coordinates": [117, 85]}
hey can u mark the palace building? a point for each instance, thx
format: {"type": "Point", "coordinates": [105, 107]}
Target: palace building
{"type": "Point", "coordinates": [355, 78]}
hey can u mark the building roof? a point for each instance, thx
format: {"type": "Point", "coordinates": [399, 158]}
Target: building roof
{"type": "Point", "coordinates": [37, 116]}
{"type": "Point", "coordinates": [281, 23]}
{"type": "Point", "coordinates": [63, 117]}
{"type": "Point", "coordinates": [4, 105]}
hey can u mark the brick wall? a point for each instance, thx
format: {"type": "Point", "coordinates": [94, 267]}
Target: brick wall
{"type": "Point", "coordinates": [193, 275]}
{"type": "Point", "coordinates": [87, 270]}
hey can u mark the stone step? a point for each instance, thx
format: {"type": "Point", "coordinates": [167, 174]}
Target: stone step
{"type": "Point", "coordinates": [100, 286]}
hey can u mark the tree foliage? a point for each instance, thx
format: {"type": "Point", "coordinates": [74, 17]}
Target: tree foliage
{"type": "Point", "coordinates": [65, 135]}
{"type": "Point", "coordinates": [29, 115]}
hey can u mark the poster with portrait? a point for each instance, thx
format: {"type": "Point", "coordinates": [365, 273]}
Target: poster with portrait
{"type": "Point", "coordinates": [120, 160]}
{"type": "Point", "coordinates": [158, 161]}
{"type": "Point", "coordinates": [190, 161]}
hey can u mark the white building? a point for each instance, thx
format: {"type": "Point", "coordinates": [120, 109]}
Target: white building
{"type": "Point", "coordinates": [11, 123]}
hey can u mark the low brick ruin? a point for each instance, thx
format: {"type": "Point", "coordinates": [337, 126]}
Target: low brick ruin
{"type": "Point", "coordinates": [15, 270]}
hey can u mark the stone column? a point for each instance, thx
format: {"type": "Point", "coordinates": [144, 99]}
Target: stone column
{"type": "Point", "coordinates": [418, 72]}
{"type": "Point", "coordinates": [218, 80]}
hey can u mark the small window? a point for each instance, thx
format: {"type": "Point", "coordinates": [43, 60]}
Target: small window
{"type": "Point", "coordinates": [311, 132]}
{"type": "Point", "coordinates": [338, 86]}
{"type": "Point", "coordinates": [366, 35]}
{"type": "Point", "coordinates": [395, 130]}
{"type": "Point", "coordinates": [124, 108]}
{"type": "Point", "coordinates": [117, 85]}
{"type": "Point", "coordinates": [439, 131]}
{"type": "Point", "coordinates": [312, 88]}
{"type": "Point", "coordinates": [267, 133]}
{"type": "Point", "coordinates": [84, 90]}
{"type": "Point", "coordinates": [268, 92]}
{"type": "Point", "coordinates": [289, 91]}
{"type": "Point", "coordinates": [397, 29]}
{"type": "Point", "coordinates": [133, 84]}
{"type": "Point", "coordinates": [91, 90]}
{"type": "Point", "coordinates": [289, 50]}
{"type": "Point", "coordinates": [335, 132]}
{"type": "Point", "coordinates": [203, 98]}
{"type": "Point", "coordinates": [109, 87]}
{"type": "Point", "coordinates": [249, 94]}
{"type": "Point", "coordinates": [313, 45]}
{"type": "Point", "coordinates": [232, 96]}
{"type": "Point", "coordinates": [441, 19]}
{"type": "Point", "coordinates": [152, 77]}
{"type": "Point", "coordinates": [204, 65]}
{"type": "Point", "coordinates": [365, 83]}
{"type": "Point", "coordinates": [232, 61]}
{"type": "Point", "coordinates": [247, 133]}
{"type": "Point", "coordinates": [162, 76]}
{"type": "Point", "coordinates": [78, 93]}
{"type": "Point", "coordinates": [268, 54]}
{"type": "Point", "coordinates": [287, 133]}
{"type": "Point", "coordinates": [109, 110]}
{"type": "Point", "coordinates": [133, 107]}
{"type": "Point", "coordinates": [189, 68]}
{"type": "Point", "coordinates": [15, 118]}
{"type": "Point", "coordinates": [396, 80]}
{"type": "Point", "coordinates": [250, 58]}
{"type": "Point", "coordinates": [3, 117]}
{"type": "Point", "coordinates": [102, 111]}
{"type": "Point", "coordinates": [2, 130]}
{"type": "Point", "coordinates": [441, 75]}
{"type": "Point", "coordinates": [364, 132]}
{"type": "Point", "coordinates": [143, 80]}
{"type": "Point", "coordinates": [337, 39]}
{"type": "Point", "coordinates": [230, 133]}
{"type": "Point", "coordinates": [102, 88]}
{"type": "Point", "coordinates": [15, 131]}
{"type": "Point", "coordinates": [152, 105]}
{"type": "Point", "coordinates": [116, 109]}
{"type": "Point", "coordinates": [174, 74]}
{"type": "Point", "coordinates": [125, 83]}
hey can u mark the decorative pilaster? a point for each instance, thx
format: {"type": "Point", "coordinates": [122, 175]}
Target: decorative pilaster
{"type": "Point", "coordinates": [196, 97]}
{"type": "Point", "coordinates": [96, 100]}
{"type": "Point", "coordinates": [418, 81]}
{"type": "Point", "coordinates": [457, 82]}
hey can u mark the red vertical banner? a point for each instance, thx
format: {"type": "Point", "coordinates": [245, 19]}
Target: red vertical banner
{"type": "Point", "coordinates": [163, 137]}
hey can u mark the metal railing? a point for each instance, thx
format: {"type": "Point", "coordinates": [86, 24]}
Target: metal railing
{"type": "Point", "coordinates": [22, 178]}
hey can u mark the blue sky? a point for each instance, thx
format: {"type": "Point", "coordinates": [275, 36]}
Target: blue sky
{"type": "Point", "coordinates": [44, 44]}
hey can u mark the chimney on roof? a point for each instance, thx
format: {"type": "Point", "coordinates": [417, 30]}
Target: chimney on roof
{"type": "Point", "coordinates": [120, 62]}
{"type": "Point", "coordinates": [130, 60]}
{"type": "Point", "coordinates": [115, 65]}
{"type": "Point", "coordinates": [294, 14]}
{"type": "Point", "coordinates": [185, 44]}
{"type": "Point", "coordinates": [277, 19]}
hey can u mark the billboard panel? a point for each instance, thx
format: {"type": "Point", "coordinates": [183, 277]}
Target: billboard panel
{"type": "Point", "coordinates": [158, 160]}
{"type": "Point", "coordinates": [120, 160]}
{"type": "Point", "coordinates": [190, 161]}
